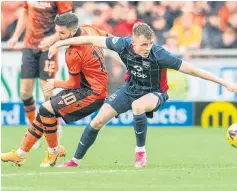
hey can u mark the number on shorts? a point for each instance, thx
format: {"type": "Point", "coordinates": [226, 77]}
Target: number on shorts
{"type": "Point", "coordinates": [95, 53]}
{"type": "Point", "coordinates": [49, 66]}
{"type": "Point", "coordinates": [69, 98]}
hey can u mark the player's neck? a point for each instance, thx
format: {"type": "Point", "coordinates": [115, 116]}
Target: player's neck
{"type": "Point", "coordinates": [78, 33]}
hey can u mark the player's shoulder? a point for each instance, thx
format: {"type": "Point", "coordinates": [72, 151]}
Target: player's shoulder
{"type": "Point", "coordinates": [87, 26]}
{"type": "Point", "coordinates": [124, 41]}
{"type": "Point", "coordinates": [157, 48]}
{"type": "Point", "coordinates": [158, 51]}
{"type": "Point", "coordinates": [89, 30]}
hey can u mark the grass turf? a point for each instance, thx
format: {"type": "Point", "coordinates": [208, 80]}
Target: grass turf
{"type": "Point", "coordinates": [180, 159]}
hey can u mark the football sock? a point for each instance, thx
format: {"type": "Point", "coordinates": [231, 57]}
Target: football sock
{"type": "Point", "coordinates": [77, 161]}
{"type": "Point", "coordinates": [87, 139]}
{"type": "Point", "coordinates": [34, 133]}
{"type": "Point", "coordinates": [29, 106]}
{"type": "Point", "coordinates": [54, 150]}
{"type": "Point", "coordinates": [50, 123]}
{"type": "Point", "coordinates": [140, 129]}
{"type": "Point", "coordinates": [22, 153]}
{"type": "Point", "coordinates": [140, 149]}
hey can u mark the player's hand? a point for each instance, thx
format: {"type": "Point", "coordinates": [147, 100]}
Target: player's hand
{"type": "Point", "coordinates": [232, 87]}
{"type": "Point", "coordinates": [53, 50]}
{"type": "Point", "coordinates": [49, 85]}
{"type": "Point", "coordinates": [12, 42]}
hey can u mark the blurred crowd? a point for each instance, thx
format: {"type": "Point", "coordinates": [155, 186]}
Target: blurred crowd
{"type": "Point", "coordinates": [177, 25]}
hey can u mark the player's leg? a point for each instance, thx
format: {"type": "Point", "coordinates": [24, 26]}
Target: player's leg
{"type": "Point", "coordinates": [146, 103]}
{"type": "Point", "coordinates": [33, 134]}
{"type": "Point", "coordinates": [117, 103]}
{"type": "Point", "coordinates": [50, 123]}
{"type": "Point", "coordinates": [90, 134]}
{"type": "Point", "coordinates": [47, 70]}
{"type": "Point", "coordinates": [29, 71]}
{"type": "Point", "coordinates": [44, 123]}
{"type": "Point", "coordinates": [73, 105]}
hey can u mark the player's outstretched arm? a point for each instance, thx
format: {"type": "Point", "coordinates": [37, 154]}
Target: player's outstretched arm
{"type": "Point", "coordinates": [90, 40]}
{"type": "Point", "coordinates": [194, 71]}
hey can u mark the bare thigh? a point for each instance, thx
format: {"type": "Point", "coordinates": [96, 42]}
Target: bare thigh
{"type": "Point", "coordinates": [27, 87]}
{"type": "Point", "coordinates": [105, 114]}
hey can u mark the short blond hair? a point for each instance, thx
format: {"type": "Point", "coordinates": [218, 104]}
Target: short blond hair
{"type": "Point", "coordinates": [143, 29]}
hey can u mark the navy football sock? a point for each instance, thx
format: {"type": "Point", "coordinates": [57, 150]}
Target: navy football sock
{"type": "Point", "coordinates": [87, 139]}
{"type": "Point", "coordinates": [140, 128]}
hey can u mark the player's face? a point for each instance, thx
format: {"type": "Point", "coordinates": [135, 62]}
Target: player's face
{"type": "Point", "coordinates": [64, 32]}
{"type": "Point", "coordinates": [142, 46]}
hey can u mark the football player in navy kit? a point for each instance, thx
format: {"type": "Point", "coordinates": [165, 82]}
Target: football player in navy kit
{"type": "Point", "coordinates": [146, 89]}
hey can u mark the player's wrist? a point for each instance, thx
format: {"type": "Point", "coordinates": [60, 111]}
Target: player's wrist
{"type": "Point", "coordinates": [58, 44]}
{"type": "Point", "coordinates": [56, 83]}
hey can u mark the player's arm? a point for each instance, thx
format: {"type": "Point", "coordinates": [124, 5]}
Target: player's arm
{"type": "Point", "coordinates": [113, 43]}
{"type": "Point", "coordinates": [90, 40]}
{"type": "Point", "coordinates": [72, 83]}
{"type": "Point", "coordinates": [99, 41]}
{"type": "Point", "coordinates": [167, 60]}
{"type": "Point", "coordinates": [48, 41]}
{"type": "Point", "coordinates": [197, 72]}
{"type": "Point", "coordinates": [63, 7]}
{"type": "Point", "coordinates": [20, 27]}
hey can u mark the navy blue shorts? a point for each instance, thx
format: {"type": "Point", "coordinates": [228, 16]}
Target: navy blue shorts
{"type": "Point", "coordinates": [121, 101]}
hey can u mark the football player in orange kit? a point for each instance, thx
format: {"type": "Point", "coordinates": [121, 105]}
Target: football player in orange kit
{"type": "Point", "coordinates": [85, 92]}
{"type": "Point", "coordinates": [38, 19]}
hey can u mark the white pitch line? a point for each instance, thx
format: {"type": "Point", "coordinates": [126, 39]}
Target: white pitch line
{"type": "Point", "coordinates": [109, 171]}
{"type": "Point", "coordinates": [59, 173]}
{"type": "Point", "coordinates": [206, 186]}
{"type": "Point", "coordinates": [35, 189]}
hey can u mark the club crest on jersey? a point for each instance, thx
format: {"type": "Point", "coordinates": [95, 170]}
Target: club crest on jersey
{"type": "Point", "coordinates": [115, 40]}
{"type": "Point", "coordinates": [146, 64]}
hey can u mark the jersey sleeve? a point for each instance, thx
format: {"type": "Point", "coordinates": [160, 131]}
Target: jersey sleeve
{"type": "Point", "coordinates": [167, 60]}
{"type": "Point", "coordinates": [64, 6]}
{"type": "Point", "coordinates": [115, 43]}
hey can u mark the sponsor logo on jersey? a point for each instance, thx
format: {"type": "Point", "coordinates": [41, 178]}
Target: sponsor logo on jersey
{"type": "Point", "coordinates": [146, 64]}
{"type": "Point", "coordinates": [138, 72]}
{"type": "Point", "coordinates": [39, 4]}
{"type": "Point", "coordinates": [138, 68]}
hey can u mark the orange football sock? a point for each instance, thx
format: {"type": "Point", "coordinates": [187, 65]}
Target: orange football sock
{"type": "Point", "coordinates": [50, 131]}
{"type": "Point", "coordinates": [34, 133]}
{"type": "Point", "coordinates": [29, 106]}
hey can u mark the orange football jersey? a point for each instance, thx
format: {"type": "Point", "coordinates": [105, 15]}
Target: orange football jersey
{"type": "Point", "coordinates": [41, 15]}
{"type": "Point", "coordinates": [88, 62]}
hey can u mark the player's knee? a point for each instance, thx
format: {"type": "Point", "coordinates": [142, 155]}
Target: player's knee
{"type": "Point", "coordinates": [25, 95]}
{"type": "Point", "coordinates": [47, 97]}
{"type": "Point", "coordinates": [137, 108]}
{"type": "Point", "coordinates": [98, 122]}
{"type": "Point", "coordinates": [43, 111]}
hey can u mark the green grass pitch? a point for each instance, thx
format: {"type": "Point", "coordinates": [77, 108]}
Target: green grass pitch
{"type": "Point", "coordinates": [179, 159]}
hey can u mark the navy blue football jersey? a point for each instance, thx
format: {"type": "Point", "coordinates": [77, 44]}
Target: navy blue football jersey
{"type": "Point", "coordinates": [146, 74]}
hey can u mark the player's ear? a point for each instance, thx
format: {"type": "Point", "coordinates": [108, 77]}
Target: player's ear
{"type": "Point", "coordinates": [73, 31]}
{"type": "Point", "coordinates": [132, 42]}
